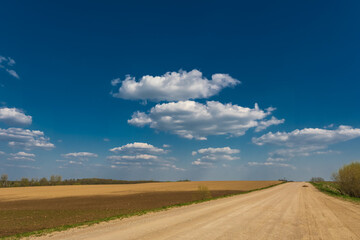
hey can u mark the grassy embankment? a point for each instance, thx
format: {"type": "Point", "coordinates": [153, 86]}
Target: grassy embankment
{"type": "Point", "coordinates": [332, 188]}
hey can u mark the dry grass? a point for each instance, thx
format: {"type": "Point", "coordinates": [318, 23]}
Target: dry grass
{"type": "Point", "coordinates": [46, 192]}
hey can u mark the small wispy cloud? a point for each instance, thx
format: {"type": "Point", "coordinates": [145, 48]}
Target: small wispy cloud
{"type": "Point", "coordinates": [21, 166]}
{"type": "Point", "coordinates": [209, 156]}
{"type": "Point", "coordinates": [79, 155]}
{"type": "Point", "coordinates": [6, 63]}
{"type": "Point", "coordinates": [271, 164]}
{"type": "Point", "coordinates": [141, 155]}
{"type": "Point", "coordinates": [22, 156]}
{"type": "Point", "coordinates": [76, 159]}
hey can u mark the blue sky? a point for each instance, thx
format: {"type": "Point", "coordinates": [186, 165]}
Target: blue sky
{"type": "Point", "coordinates": [168, 90]}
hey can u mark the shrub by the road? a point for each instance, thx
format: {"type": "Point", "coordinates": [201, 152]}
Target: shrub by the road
{"type": "Point", "coordinates": [348, 179]}
{"type": "Point", "coordinates": [204, 192]}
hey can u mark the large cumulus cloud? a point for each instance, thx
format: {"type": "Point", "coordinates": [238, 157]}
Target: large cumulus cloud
{"type": "Point", "coordinates": [172, 86]}
{"type": "Point", "coordinates": [14, 116]}
{"type": "Point", "coordinates": [190, 119]}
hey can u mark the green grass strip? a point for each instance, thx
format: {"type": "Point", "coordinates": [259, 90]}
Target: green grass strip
{"type": "Point", "coordinates": [330, 188]}
{"type": "Point", "coordinates": [42, 232]}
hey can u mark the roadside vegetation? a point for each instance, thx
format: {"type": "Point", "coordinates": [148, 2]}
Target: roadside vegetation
{"type": "Point", "coordinates": [55, 180]}
{"type": "Point", "coordinates": [203, 193]}
{"type": "Point", "coordinates": [345, 184]}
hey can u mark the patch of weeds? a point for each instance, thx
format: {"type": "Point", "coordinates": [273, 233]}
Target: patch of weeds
{"type": "Point", "coordinates": [332, 188]}
{"type": "Point", "coordinates": [203, 193]}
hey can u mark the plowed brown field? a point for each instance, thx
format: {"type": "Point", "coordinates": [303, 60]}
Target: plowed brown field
{"type": "Point", "coordinates": [35, 208]}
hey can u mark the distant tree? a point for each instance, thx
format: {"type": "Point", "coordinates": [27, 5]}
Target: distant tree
{"type": "Point", "coordinates": [55, 180]}
{"type": "Point", "coordinates": [317, 179]}
{"type": "Point", "coordinates": [4, 180]}
{"type": "Point", "coordinates": [16, 184]}
{"type": "Point", "coordinates": [24, 182]}
{"type": "Point", "coordinates": [34, 182]}
{"type": "Point", "coordinates": [43, 182]}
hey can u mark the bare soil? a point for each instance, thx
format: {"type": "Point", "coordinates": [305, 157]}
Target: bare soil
{"type": "Point", "coordinates": [36, 208]}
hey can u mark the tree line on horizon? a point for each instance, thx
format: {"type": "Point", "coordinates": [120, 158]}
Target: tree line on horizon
{"type": "Point", "coordinates": [55, 180]}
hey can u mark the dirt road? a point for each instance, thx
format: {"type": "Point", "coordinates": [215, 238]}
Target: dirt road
{"type": "Point", "coordinates": [287, 211]}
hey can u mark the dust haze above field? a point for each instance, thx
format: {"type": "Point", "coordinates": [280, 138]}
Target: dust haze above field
{"type": "Point", "coordinates": [174, 91]}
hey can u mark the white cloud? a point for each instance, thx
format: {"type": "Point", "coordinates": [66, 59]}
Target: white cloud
{"type": "Point", "coordinates": [2, 59]}
{"type": "Point", "coordinates": [278, 159]}
{"type": "Point", "coordinates": [22, 159]}
{"type": "Point", "coordinates": [14, 116]}
{"type": "Point", "coordinates": [224, 150]}
{"type": "Point", "coordinates": [127, 157]}
{"type": "Point", "coordinates": [301, 151]}
{"type": "Point", "coordinates": [209, 156]}
{"type": "Point", "coordinates": [21, 166]}
{"type": "Point", "coordinates": [267, 123]}
{"type": "Point", "coordinates": [13, 73]}
{"type": "Point", "coordinates": [81, 155]}
{"type": "Point", "coordinates": [190, 119]}
{"type": "Point", "coordinates": [5, 63]}
{"type": "Point", "coordinates": [329, 126]}
{"type": "Point", "coordinates": [61, 160]}
{"type": "Point", "coordinates": [25, 138]}
{"type": "Point", "coordinates": [271, 164]}
{"type": "Point", "coordinates": [141, 155]}
{"type": "Point", "coordinates": [75, 162]}
{"type": "Point", "coordinates": [200, 163]}
{"type": "Point", "coordinates": [137, 147]}
{"type": "Point", "coordinates": [11, 62]}
{"type": "Point", "coordinates": [173, 86]}
{"type": "Point", "coordinates": [22, 156]}
{"type": "Point", "coordinates": [115, 81]}
{"type": "Point", "coordinates": [305, 142]}
{"type": "Point", "coordinates": [76, 159]}
{"type": "Point", "coordinates": [309, 137]}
